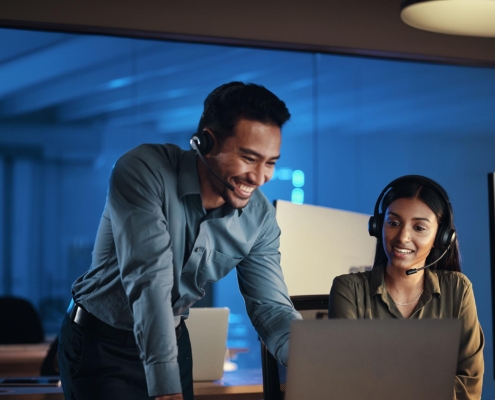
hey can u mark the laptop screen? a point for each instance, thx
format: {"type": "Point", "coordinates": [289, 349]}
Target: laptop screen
{"type": "Point", "coordinates": [373, 359]}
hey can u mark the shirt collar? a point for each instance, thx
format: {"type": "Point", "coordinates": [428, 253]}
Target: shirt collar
{"type": "Point", "coordinates": [432, 285]}
{"type": "Point", "coordinates": [377, 281]}
{"type": "Point", "coordinates": [189, 182]}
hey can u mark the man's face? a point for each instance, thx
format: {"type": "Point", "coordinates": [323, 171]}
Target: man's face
{"type": "Point", "coordinates": [246, 160]}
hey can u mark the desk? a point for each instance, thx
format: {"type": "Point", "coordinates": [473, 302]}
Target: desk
{"type": "Point", "coordinates": [22, 359]}
{"type": "Point", "coordinates": [26, 359]}
{"type": "Point", "coordinates": [238, 385]}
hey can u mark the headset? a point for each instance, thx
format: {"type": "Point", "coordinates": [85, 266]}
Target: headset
{"type": "Point", "coordinates": [445, 235]}
{"type": "Point", "coordinates": [202, 143]}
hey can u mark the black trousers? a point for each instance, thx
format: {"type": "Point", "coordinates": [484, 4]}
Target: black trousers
{"type": "Point", "coordinates": [93, 367]}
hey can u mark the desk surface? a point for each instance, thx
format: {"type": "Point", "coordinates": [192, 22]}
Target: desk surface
{"type": "Point", "coordinates": [25, 360]}
{"type": "Point", "coordinates": [236, 385]}
{"type": "Point", "coordinates": [22, 359]}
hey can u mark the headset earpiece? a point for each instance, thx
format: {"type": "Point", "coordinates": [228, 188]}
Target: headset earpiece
{"type": "Point", "coordinates": [375, 225]}
{"type": "Point", "coordinates": [203, 142]}
{"type": "Point", "coordinates": [445, 238]}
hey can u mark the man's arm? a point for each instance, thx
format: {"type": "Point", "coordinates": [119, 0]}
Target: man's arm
{"type": "Point", "coordinates": [143, 247]}
{"type": "Point", "coordinates": [265, 293]}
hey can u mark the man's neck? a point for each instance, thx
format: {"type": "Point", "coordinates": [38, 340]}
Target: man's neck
{"type": "Point", "coordinates": [209, 196]}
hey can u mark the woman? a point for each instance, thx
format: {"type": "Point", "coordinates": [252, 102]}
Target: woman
{"type": "Point", "coordinates": [416, 272]}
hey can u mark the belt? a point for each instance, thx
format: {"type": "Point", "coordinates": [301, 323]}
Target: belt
{"type": "Point", "coordinates": [88, 321]}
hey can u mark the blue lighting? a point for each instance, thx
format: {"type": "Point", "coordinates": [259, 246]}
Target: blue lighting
{"type": "Point", "coordinates": [120, 82]}
{"type": "Point", "coordinates": [298, 178]}
{"type": "Point", "coordinates": [284, 174]}
{"type": "Point", "coordinates": [297, 196]}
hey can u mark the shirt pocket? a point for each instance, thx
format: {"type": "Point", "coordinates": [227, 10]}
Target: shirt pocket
{"type": "Point", "coordinates": [217, 266]}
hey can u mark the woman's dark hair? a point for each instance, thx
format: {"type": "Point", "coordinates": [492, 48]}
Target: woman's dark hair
{"type": "Point", "coordinates": [227, 104]}
{"type": "Point", "coordinates": [438, 203]}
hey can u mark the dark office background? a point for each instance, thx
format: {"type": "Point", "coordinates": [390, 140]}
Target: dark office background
{"type": "Point", "coordinates": [70, 105]}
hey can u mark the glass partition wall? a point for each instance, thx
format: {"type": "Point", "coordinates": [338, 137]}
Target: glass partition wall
{"type": "Point", "coordinates": [71, 104]}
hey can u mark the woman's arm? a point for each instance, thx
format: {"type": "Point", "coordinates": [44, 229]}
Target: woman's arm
{"type": "Point", "coordinates": [470, 366]}
{"type": "Point", "coordinates": [343, 301]}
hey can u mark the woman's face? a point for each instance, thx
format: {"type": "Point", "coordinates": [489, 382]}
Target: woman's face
{"type": "Point", "coordinates": [409, 231]}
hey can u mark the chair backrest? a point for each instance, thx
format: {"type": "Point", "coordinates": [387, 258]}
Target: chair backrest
{"type": "Point", "coordinates": [274, 373]}
{"type": "Point", "coordinates": [21, 323]}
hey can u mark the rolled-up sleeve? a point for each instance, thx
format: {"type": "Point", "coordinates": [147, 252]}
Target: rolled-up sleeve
{"type": "Point", "coordinates": [262, 285]}
{"type": "Point", "coordinates": [143, 248]}
{"type": "Point", "coordinates": [470, 365]}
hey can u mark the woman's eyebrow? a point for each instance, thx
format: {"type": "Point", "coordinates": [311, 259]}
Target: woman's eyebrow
{"type": "Point", "coordinates": [415, 218]}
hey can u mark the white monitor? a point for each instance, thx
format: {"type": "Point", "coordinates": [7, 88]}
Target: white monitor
{"type": "Point", "coordinates": [320, 243]}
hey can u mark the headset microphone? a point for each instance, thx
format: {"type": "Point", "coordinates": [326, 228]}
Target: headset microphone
{"type": "Point", "coordinates": [414, 270]}
{"type": "Point", "coordinates": [196, 144]}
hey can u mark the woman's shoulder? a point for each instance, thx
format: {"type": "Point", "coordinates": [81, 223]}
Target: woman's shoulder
{"type": "Point", "coordinates": [353, 278]}
{"type": "Point", "coordinates": [453, 279]}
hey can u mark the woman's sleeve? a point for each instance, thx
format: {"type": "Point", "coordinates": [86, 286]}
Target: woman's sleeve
{"type": "Point", "coordinates": [470, 364]}
{"type": "Point", "coordinates": [342, 302]}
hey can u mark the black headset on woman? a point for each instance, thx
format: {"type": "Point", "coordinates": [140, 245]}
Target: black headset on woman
{"type": "Point", "coordinates": [446, 233]}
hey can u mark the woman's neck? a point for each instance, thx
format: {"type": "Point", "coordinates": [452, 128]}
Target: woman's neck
{"type": "Point", "coordinates": [398, 282]}
{"type": "Point", "coordinates": [404, 290]}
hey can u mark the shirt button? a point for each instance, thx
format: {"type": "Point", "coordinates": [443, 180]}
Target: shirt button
{"type": "Point", "coordinates": [198, 249]}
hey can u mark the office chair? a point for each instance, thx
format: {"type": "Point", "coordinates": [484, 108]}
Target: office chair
{"type": "Point", "coordinates": [21, 323]}
{"type": "Point", "coordinates": [274, 373]}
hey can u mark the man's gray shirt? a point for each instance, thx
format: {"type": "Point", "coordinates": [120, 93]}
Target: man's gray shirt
{"type": "Point", "coordinates": [156, 247]}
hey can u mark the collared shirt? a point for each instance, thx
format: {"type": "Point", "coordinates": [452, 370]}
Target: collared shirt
{"type": "Point", "coordinates": [446, 294]}
{"type": "Point", "coordinates": [156, 247]}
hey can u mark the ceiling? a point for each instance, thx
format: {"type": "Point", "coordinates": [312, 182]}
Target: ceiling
{"type": "Point", "coordinates": [352, 26]}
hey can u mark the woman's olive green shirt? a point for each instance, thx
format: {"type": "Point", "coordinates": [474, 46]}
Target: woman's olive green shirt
{"type": "Point", "coordinates": [447, 294]}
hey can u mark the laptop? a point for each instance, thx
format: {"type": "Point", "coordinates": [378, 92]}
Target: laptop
{"type": "Point", "coordinates": [373, 359]}
{"type": "Point", "coordinates": [208, 333]}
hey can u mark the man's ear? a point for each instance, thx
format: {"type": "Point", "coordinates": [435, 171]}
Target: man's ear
{"type": "Point", "coordinates": [213, 143]}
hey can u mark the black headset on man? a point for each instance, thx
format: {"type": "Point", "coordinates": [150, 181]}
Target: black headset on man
{"type": "Point", "coordinates": [202, 141]}
{"type": "Point", "coordinates": [445, 235]}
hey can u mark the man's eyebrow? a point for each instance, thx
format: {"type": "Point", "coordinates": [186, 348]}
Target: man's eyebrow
{"type": "Point", "coordinates": [415, 219]}
{"type": "Point", "coordinates": [255, 153]}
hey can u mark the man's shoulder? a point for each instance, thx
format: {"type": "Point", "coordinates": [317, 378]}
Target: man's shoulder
{"type": "Point", "coordinates": [153, 151]}
{"type": "Point", "coordinates": [154, 156]}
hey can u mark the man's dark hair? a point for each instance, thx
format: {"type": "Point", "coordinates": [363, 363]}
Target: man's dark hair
{"type": "Point", "coordinates": [227, 104]}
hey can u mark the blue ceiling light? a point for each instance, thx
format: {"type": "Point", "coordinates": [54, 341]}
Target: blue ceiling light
{"type": "Point", "coordinates": [120, 82]}
{"type": "Point", "coordinates": [298, 178]}
{"type": "Point", "coordinates": [284, 174]}
{"type": "Point", "coordinates": [297, 196]}
{"type": "Point", "coordinates": [454, 17]}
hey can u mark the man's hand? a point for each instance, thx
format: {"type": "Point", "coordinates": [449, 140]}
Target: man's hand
{"type": "Point", "coordinates": [177, 396]}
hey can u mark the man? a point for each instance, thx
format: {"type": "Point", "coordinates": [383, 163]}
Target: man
{"type": "Point", "coordinates": [173, 222]}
